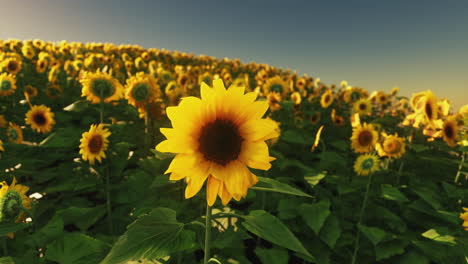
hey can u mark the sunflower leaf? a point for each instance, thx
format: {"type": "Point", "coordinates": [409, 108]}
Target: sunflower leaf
{"type": "Point", "coordinates": [270, 185]}
{"type": "Point", "coordinates": [152, 236]}
{"type": "Point", "coordinates": [270, 228]}
{"type": "Point", "coordinates": [7, 228]}
{"type": "Point", "coordinates": [76, 248]}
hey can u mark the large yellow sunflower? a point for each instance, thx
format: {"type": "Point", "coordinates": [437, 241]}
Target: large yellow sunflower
{"type": "Point", "coordinates": [14, 133]}
{"type": "Point", "coordinates": [392, 146]}
{"type": "Point", "coordinates": [7, 84]}
{"type": "Point", "coordinates": [327, 98]}
{"type": "Point", "coordinates": [40, 118]}
{"type": "Point", "coordinates": [364, 138]}
{"type": "Point", "coordinates": [366, 164]}
{"type": "Point", "coordinates": [142, 89]}
{"type": "Point", "coordinates": [98, 86]}
{"type": "Point", "coordinates": [216, 138]}
{"type": "Point", "coordinates": [94, 143]}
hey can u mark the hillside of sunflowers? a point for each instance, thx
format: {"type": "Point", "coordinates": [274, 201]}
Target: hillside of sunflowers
{"type": "Point", "coordinates": [117, 154]}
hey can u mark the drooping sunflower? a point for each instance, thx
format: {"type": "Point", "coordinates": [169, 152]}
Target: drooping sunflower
{"type": "Point", "coordinates": [31, 91]}
{"type": "Point", "coordinates": [53, 91]}
{"type": "Point", "coordinates": [142, 89]}
{"type": "Point", "coordinates": [366, 164]}
{"type": "Point", "coordinates": [98, 86]}
{"type": "Point", "coordinates": [464, 217]}
{"type": "Point", "coordinates": [216, 138]}
{"type": "Point", "coordinates": [7, 84]}
{"type": "Point", "coordinates": [14, 133]}
{"type": "Point", "coordinates": [364, 138]}
{"type": "Point", "coordinates": [275, 85]}
{"type": "Point", "coordinates": [12, 199]}
{"type": "Point", "coordinates": [94, 143]}
{"type": "Point", "coordinates": [327, 98]}
{"type": "Point", "coordinates": [450, 131]}
{"type": "Point", "coordinates": [430, 109]}
{"type": "Point", "coordinates": [40, 118]}
{"type": "Point", "coordinates": [41, 65]}
{"type": "Point", "coordinates": [363, 107]}
{"type": "Point", "coordinates": [392, 146]}
{"type": "Point", "coordinates": [12, 65]}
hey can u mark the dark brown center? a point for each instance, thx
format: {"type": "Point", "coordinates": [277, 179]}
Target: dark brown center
{"type": "Point", "coordinates": [362, 107]}
{"type": "Point", "coordinates": [12, 66]}
{"type": "Point", "coordinates": [365, 138]}
{"type": "Point", "coordinates": [39, 119]}
{"type": "Point", "coordinates": [220, 141]}
{"type": "Point", "coordinates": [448, 131]}
{"type": "Point", "coordinates": [428, 110]}
{"type": "Point", "coordinates": [95, 144]}
{"type": "Point", "coordinates": [327, 98]}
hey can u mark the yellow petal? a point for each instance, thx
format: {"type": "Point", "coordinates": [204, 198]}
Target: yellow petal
{"type": "Point", "coordinates": [212, 189]}
{"type": "Point", "coordinates": [255, 155]}
{"type": "Point", "coordinates": [259, 129]}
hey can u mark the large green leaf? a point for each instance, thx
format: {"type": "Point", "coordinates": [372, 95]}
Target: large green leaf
{"type": "Point", "coordinates": [76, 248]}
{"type": "Point", "coordinates": [152, 236]}
{"type": "Point", "coordinates": [83, 218]}
{"type": "Point", "coordinates": [315, 214]}
{"type": "Point", "coordinates": [270, 228]}
{"type": "Point", "coordinates": [6, 260]}
{"type": "Point", "coordinates": [391, 193]}
{"type": "Point", "coordinates": [270, 185]}
{"type": "Point", "coordinates": [390, 248]}
{"type": "Point", "coordinates": [330, 231]}
{"type": "Point", "coordinates": [374, 234]}
{"type": "Point", "coordinates": [272, 256]}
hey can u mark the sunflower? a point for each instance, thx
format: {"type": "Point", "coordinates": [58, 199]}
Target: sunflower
{"type": "Point", "coordinates": [13, 201]}
{"type": "Point", "coordinates": [366, 164]}
{"type": "Point", "coordinates": [173, 92]}
{"type": "Point", "coordinates": [392, 146]}
{"type": "Point", "coordinates": [450, 131]}
{"type": "Point", "coordinates": [31, 91]}
{"type": "Point", "coordinates": [430, 108]}
{"type": "Point", "coordinates": [7, 84]}
{"type": "Point", "coordinates": [3, 122]}
{"type": "Point", "coordinates": [94, 143]}
{"type": "Point", "coordinates": [14, 133]}
{"type": "Point", "coordinates": [364, 138]}
{"type": "Point", "coordinates": [296, 98]}
{"type": "Point", "coordinates": [206, 77]}
{"type": "Point", "coordinates": [394, 91]}
{"type": "Point", "coordinates": [40, 118]}
{"type": "Point", "coordinates": [274, 100]}
{"type": "Point", "coordinates": [326, 99]}
{"type": "Point", "coordinates": [277, 85]}
{"type": "Point", "coordinates": [41, 65]}
{"type": "Point", "coordinates": [337, 119]}
{"type": "Point", "coordinates": [12, 65]}
{"type": "Point", "coordinates": [464, 217]}
{"type": "Point", "coordinates": [53, 91]}
{"type": "Point", "coordinates": [216, 138]}
{"type": "Point", "coordinates": [352, 94]}
{"type": "Point", "coordinates": [142, 89]}
{"type": "Point", "coordinates": [315, 118]}
{"type": "Point", "coordinates": [100, 86]}
{"type": "Point", "coordinates": [363, 107]}
{"type": "Point", "coordinates": [1, 146]}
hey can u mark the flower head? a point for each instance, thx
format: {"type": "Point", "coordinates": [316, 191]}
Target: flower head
{"type": "Point", "coordinates": [366, 164]}
{"type": "Point", "coordinates": [40, 118]}
{"type": "Point", "coordinates": [94, 143]}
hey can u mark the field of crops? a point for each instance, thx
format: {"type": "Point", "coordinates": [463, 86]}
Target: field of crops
{"type": "Point", "coordinates": [119, 154]}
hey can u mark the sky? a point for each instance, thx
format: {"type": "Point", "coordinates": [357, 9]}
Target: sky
{"type": "Point", "coordinates": [375, 44]}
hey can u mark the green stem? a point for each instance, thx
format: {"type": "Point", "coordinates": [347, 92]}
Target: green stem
{"type": "Point", "coordinates": [4, 246]}
{"type": "Point", "coordinates": [207, 234]}
{"type": "Point", "coordinates": [462, 162]}
{"type": "Point", "coordinates": [108, 203]}
{"type": "Point", "coordinates": [400, 171]}
{"type": "Point", "coordinates": [147, 130]}
{"type": "Point", "coordinates": [361, 215]}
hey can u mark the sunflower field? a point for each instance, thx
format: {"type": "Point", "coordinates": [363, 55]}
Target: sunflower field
{"type": "Point", "coordinates": [116, 154]}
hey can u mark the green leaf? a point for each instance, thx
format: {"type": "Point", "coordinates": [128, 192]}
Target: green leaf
{"type": "Point", "coordinates": [83, 218]}
{"type": "Point", "coordinates": [331, 231]}
{"type": "Point", "coordinates": [390, 248]}
{"type": "Point", "coordinates": [374, 234]}
{"type": "Point", "coordinates": [293, 136]}
{"type": "Point", "coordinates": [413, 257]}
{"type": "Point", "coordinates": [7, 228]}
{"type": "Point", "coordinates": [270, 185]}
{"type": "Point", "coordinates": [272, 256]}
{"type": "Point", "coordinates": [434, 235]}
{"type": "Point", "coordinates": [315, 214]}
{"type": "Point", "coordinates": [6, 260]}
{"type": "Point", "coordinates": [428, 195]}
{"type": "Point", "coordinates": [315, 179]}
{"type": "Point", "coordinates": [391, 193]}
{"type": "Point", "coordinates": [270, 228]}
{"type": "Point", "coordinates": [152, 236]}
{"type": "Point", "coordinates": [76, 248]}
{"type": "Point", "coordinates": [63, 138]}
{"type": "Point", "coordinates": [78, 106]}
{"type": "Point", "coordinates": [53, 229]}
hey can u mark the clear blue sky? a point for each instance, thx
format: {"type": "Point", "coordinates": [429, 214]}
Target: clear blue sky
{"type": "Point", "coordinates": [376, 44]}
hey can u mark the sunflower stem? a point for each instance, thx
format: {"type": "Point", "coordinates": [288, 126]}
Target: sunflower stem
{"type": "Point", "coordinates": [147, 130]}
{"type": "Point", "coordinates": [400, 171]}
{"type": "Point", "coordinates": [462, 162]}
{"type": "Point", "coordinates": [108, 203]}
{"type": "Point", "coordinates": [361, 215]}
{"type": "Point", "coordinates": [207, 234]}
